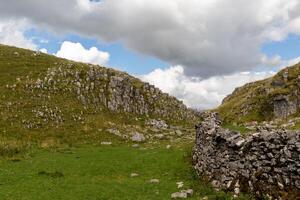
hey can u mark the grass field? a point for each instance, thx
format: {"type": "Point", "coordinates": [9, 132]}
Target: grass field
{"type": "Point", "coordinates": [100, 172]}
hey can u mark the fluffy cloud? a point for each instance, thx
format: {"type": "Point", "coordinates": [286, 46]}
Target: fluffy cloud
{"type": "Point", "coordinates": [199, 93]}
{"type": "Point", "coordinates": [209, 37]}
{"type": "Point", "coordinates": [76, 52]}
{"type": "Point", "coordinates": [12, 33]}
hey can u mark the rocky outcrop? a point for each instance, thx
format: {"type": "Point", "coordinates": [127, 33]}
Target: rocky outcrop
{"type": "Point", "coordinates": [263, 163]}
{"type": "Point", "coordinates": [284, 107]}
{"type": "Point", "coordinates": [103, 87]}
{"type": "Point", "coordinates": [277, 97]}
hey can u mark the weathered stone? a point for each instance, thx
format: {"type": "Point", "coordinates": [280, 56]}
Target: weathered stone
{"type": "Point", "coordinates": [138, 137]}
{"type": "Point", "coordinates": [154, 181]}
{"type": "Point", "coordinates": [264, 162]}
{"type": "Point", "coordinates": [179, 195]}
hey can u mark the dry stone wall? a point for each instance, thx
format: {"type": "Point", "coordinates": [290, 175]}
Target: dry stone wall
{"type": "Point", "coordinates": [264, 163]}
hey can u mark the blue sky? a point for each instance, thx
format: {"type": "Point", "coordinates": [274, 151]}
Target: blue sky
{"type": "Point", "coordinates": [287, 49]}
{"type": "Point", "coordinates": [120, 57]}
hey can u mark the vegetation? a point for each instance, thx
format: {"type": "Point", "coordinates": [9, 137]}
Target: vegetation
{"type": "Point", "coordinates": [22, 111]}
{"type": "Point", "coordinates": [68, 160]}
{"type": "Point", "coordinates": [254, 101]}
{"type": "Point", "coordinates": [101, 173]}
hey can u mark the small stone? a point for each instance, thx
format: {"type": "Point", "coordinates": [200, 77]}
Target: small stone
{"type": "Point", "coordinates": [160, 136]}
{"type": "Point", "coordinates": [179, 184]}
{"type": "Point", "coordinates": [168, 146]}
{"type": "Point", "coordinates": [134, 175]}
{"type": "Point", "coordinates": [179, 133]}
{"type": "Point", "coordinates": [179, 195]}
{"type": "Point", "coordinates": [189, 192]}
{"type": "Point", "coordinates": [138, 137]}
{"type": "Point", "coordinates": [154, 181]}
{"type": "Point", "coordinates": [106, 143]}
{"type": "Point", "coordinates": [135, 145]}
{"type": "Point", "coordinates": [204, 198]}
{"type": "Point", "coordinates": [280, 185]}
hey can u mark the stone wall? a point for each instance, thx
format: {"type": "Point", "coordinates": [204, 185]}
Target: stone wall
{"type": "Point", "coordinates": [264, 163]}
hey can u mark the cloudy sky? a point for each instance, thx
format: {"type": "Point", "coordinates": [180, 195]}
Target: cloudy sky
{"type": "Point", "coordinates": [198, 51]}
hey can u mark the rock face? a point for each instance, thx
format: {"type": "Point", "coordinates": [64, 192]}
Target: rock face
{"type": "Point", "coordinates": [283, 106]}
{"type": "Point", "coordinates": [114, 90]}
{"type": "Point", "coordinates": [266, 162]}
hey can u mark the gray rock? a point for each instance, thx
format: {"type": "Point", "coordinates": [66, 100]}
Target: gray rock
{"type": "Point", "coordinates": [269, 158]}
{"type": "Point", "coordinates": [138, 137]}
{"type": "Point", "coordinates": [179, 195]}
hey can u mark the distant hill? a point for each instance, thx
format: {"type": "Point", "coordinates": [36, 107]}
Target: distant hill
{"type": "Point", "coordinates": [277, 98]}
{"type": "Point", "coordinates": [42, 97]}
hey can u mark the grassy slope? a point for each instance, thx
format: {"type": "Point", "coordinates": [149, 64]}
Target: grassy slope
{"type": "Point", "coordinates": [254, 101]}
{"type": "Point", "coordinates": [17, 105]}
{"type": "Point", "coordinates": [101, 173]}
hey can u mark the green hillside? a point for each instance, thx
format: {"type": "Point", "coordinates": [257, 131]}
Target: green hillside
{"type": "Point", "coordinates": [275, 98]}
{"type": "Point", "coordinates": [47, 100]}
{"type": "Point", "coordinates": [67, 130]}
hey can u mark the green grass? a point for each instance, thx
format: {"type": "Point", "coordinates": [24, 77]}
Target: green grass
{"type": "Point", "coordinates": [239, 128]}
{"type": "Point", "coordinates": [100, 173]}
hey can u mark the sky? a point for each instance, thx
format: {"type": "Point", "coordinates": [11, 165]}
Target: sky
{"type": "Point", "coordinates": [197, 51]}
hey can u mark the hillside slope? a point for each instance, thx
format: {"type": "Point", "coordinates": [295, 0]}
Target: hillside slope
{"type": "Point", "coordinates": [275, 98]}
{"type": "Point", "coordinates": [45, 98]}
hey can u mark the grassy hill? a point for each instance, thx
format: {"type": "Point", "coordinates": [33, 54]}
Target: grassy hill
{"type": "Point", "coordinates": [275, 98]}
{"type": "Point", "coordinates": [66, 128]}
{"type": "Point", "coordinates": [49, 101]}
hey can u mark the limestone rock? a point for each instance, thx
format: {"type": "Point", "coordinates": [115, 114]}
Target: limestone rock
{"type": "Point", "coordinates": [138, 137]}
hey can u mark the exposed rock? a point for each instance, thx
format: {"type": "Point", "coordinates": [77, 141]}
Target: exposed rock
{"type": "Point", "coordinates": [106, 143]}
{"type": "Point", "coordinates": [179, 133]}
{"type": "Point", "coordinates": [117, 91]}
{"type": "Point", "coordinates": [179, 184]}
{"type": "Point", "coordinates": [138, 137]}
{"type": "Point", "coordinates": [159, 124]}
{"type": "Point", "coordinates": [134, 175]}
{"type": "Point", "coordinates": [154, 181]}
{"type": "Point", "coordinates": [179, 195]}
{"type": "Point", "coordinates": [183, 194]}
{"type": "Point", "coordinates": [135, 145]}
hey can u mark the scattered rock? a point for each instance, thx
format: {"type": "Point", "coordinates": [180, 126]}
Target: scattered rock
{"type": "Point", "coordinates": [179, 185]}
{"type": "Point", "coordinates": [154, 181]}
{"type": "Point", "coordinates": [134, 175]}
{"type": "Point", "coordinates": [106, 143]}
{"type": "Point", "coordinates": [179, 195]}
{"type": "Point", "coordinates": [179, 133]}
{"type": "Point", "coordinates": [159, 124]}
{"type": "Point", "coordinates": [138, 137]}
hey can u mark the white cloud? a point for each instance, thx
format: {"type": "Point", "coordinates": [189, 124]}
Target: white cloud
{"type": "Point", "coordinates": [12, 33]}
{"type": "Point", "coordinates": [200, 93]}
{"type": "Point", "coordinates": [208, 37]}
{"type": "Point", "coordinates": [76, 52]}
{"type": "Point", "coordinates": [43, 50]}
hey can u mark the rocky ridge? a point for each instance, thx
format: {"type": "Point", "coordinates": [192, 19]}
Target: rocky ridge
{"type": "Point", "coordinates": [57, 98]}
